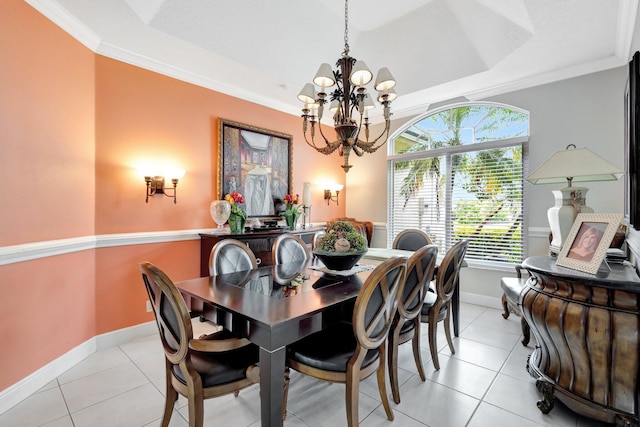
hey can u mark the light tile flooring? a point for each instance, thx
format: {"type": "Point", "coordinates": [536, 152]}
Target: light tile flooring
{"type": "Point", "coordinates": [483, 384]}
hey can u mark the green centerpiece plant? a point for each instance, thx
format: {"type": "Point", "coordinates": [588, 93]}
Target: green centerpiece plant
{"type": "Point", "coordinates": [341, 247]}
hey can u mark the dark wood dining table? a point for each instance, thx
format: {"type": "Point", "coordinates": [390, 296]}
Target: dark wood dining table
{"type": "Point", "coordinates": [275, 306]}
{"type": "Point", "coordinates": [272, 310]}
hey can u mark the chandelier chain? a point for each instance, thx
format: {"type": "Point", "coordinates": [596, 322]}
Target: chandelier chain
{"type": "Point", "coordinates": [346, 28]}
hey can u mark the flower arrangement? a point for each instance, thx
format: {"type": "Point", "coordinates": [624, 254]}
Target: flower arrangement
{"type": "Point", "coordinates": [238, 215]}
{"type": "Point", "coordinates": [292, 202]}
{"type": "Point", "coordinates": [292, 210]}
{"type": "Point", "coordinates": [341, 236]}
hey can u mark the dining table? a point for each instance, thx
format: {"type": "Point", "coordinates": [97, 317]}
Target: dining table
{"type": "Point", "coordinates": [274, 306]}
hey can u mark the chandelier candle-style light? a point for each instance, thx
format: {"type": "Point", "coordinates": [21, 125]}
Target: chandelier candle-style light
{"type": "Point", "coordinates": [350, 102]}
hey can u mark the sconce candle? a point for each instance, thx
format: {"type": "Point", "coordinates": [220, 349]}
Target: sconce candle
{"type": "Point", "coordinates": [306, 194]}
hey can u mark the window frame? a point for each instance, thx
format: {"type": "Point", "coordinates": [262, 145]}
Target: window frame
{"type": "Point", "coordinates": [448, 152]}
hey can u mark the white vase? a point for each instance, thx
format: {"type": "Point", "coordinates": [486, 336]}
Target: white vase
{"type": "Point", "coordinates": [220, 211]}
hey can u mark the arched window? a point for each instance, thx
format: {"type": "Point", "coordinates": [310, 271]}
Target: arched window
{"type": "Point", "coordinates": [457, 173]}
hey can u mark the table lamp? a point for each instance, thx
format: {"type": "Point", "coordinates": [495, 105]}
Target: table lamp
{"type": "Point", "coordinates": [573, 165]}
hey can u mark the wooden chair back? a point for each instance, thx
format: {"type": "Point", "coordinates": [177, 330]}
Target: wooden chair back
{"type": "Point", "coordinates": [195, 368]}
{"type": "Point", "coordinates": [449, 271]}
{"type": "Point", "coordinates": [230, 256]}
{"type": "Point", "coordinates": [420, 270]}
{"type": "Point", "coordinates": [411, 239]}
{"type": "Point", "coordinates": [377, 303]}
{"type": "Point", "coordinates": [288, 248]}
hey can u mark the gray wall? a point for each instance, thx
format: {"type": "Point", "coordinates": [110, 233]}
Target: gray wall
{"type": "Point", "coordinates": [587, 111]}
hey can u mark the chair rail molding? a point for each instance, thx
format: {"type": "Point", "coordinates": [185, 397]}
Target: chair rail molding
{"type": "Point", "coordinates": [35, 250]}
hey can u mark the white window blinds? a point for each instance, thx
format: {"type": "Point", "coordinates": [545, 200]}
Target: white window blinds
{"type": "Point", "coordinates": [447, 181]}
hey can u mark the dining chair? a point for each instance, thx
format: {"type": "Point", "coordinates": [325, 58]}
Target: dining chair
{"type": "Point", "coordinates": [349, 352]}
{"type": "Point", "coordinates": [411, 239]}
{"type": "Point", "coordinates": [512, 287]}
{"type": "Point", "coordinates": [406, 322]}
{"type": "Point", "coordinates": [195, 368]}
{"type": "Point", "coordinates": [437, 305]}
{"type": "Point", "coordinates": [289, 248]}
{"type": "Point", "coordinates": [230, 256]}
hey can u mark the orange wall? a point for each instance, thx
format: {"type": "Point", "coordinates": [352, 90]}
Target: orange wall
{"type": "Point", "coordinates": [73, 127]}
{"type": "Point", "coordinates": [46, 129]}
{"type": "Point", "coordinates": [143, 117]}
{"type": "Point", "coordinates": [48, 308]}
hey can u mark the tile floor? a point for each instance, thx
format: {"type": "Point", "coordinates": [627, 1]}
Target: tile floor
{"type": "Point", "coordinates": [483, 384]}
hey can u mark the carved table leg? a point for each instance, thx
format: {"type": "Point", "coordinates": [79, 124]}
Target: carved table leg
{"type": "Point", "coordinates": [546, 404]}
{"type": "Point", "coordinates": [526, 332]}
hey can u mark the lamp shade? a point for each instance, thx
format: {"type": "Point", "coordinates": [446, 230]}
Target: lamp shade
{"type": "Point", "coordinates": [324, 76]}
{"type": "Point", "coordinates": [307, 94]}
{"type": "Point", "coordinates": [387, 95]}
{"type": "Point", "coordinates": [385, 80]}
{"type": "Point", "coordinates": [576, 165]}
{"type": "Point", "coordinates": [360, 75]}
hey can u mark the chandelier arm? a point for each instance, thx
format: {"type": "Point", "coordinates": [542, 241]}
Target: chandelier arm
{"type": "Point", "coordinates": [370, 147]}
{"type": "Point", "coordinates": [324, 137]}
{"type": "Point", "coordinates": [357, 137]}
{"type": "Point", "coordinates": [328, 149]}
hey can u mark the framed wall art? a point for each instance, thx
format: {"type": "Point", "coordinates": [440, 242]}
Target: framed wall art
{"type": "Point", "coordinates": [632, 144]}
{"type": "Point", "coordinates": [256, 163]}
{"type": "Point", "coordinates": [588, 240]}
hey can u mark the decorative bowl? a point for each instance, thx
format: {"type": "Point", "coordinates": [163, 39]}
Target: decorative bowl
{"type": "Point", "coordinates": [339, 261]}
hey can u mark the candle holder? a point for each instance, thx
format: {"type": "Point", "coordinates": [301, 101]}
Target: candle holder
{"type": "Point", "coordinates": [306, 212]}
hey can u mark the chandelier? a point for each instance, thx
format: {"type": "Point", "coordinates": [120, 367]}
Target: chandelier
{"type": "Point", "coordinates": [349, 103]}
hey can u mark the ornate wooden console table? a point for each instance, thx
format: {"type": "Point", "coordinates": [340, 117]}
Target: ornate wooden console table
{"type": "Point", "coordinates": [587, 331]}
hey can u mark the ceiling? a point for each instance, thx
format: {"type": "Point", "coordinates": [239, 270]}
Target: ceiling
{"type": "Point", "coordinates": [265, 51]}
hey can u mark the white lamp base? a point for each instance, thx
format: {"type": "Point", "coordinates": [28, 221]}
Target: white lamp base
{"type": "Point", "coordinates": [570, 201]}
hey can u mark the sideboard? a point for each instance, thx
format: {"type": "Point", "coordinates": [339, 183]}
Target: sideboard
{"type": "Point", "coordinates": [260, 242]}
{"type": "Point", "coordinates": [587, 332]}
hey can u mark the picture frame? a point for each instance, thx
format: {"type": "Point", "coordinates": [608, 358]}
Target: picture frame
{"type": "Point", "coordinates": [632, 143]}
{"type": "Point", "coordinates": [255, 162]}
{"type": "Point", "coordinates": [588, 240]}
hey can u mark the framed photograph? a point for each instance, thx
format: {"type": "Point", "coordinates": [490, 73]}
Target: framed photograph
{"type": "Point", "coordinates": [256, 163]}
{"type": "Point", "coordinates": [588, 240]}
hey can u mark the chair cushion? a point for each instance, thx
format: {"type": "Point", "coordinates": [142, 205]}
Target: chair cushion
{"type": "Point", "coordinates": [329, 350]}
{"type": "Point", "coordinates": [429, 301]}
{"type": "Point", "coordinates": [512, 287]}
{"type": "Point", "coordinates": [406, 327]}
{"type": "Point", "coordinates": [221, 368]}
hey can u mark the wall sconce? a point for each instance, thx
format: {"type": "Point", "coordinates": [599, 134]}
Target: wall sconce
{"type": "Point", "coordinates": [335, 188]}
{"type": "Point", "coordinates": [155, 183]}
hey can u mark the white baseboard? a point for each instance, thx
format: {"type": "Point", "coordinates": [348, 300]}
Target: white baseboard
{"type": "Point", "coordinates": [24, 388]}
{"type": "Point", "coordinates": [483, 300]}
